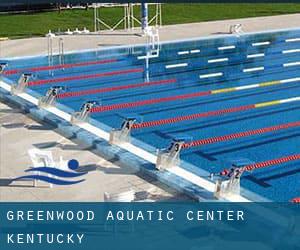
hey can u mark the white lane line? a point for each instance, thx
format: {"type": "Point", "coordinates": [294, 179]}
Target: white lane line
{"type": "Point", "coordinates": [226, 47]}
{"type": "Point", "coordinates": [178, 65]}
{"type": "Point", "coordinates": [211, 75]}
{"type": "Point", "coordinates": [218, 60]}
{"type": "Point", "coordinates": [253, 69]}
{"type": "Point", "coordinates": [291, 64]}
{"type": "Point", "coordinates": [290, 80]}
{"type": "Point", "coordinates": [195, 51]}
{"type": "Point", "coordinates": [247, 87]}
{"type": "Point", "coordinates": [183, 52]}
{"type": "Point", "coordinates": [256, 55]}
{"type": "Point", "coordinates": [292, 40]}
{"type": "Point", "coordinates": [290, 100]}
{"type": "Point", "coordinates": [290, 51]}
{"type": "Point", "coordinates": [147, 56]}
{"type": "Point", "coordinates": [261, 43]}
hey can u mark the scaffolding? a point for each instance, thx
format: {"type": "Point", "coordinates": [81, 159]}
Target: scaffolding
{"type": "Point", "coordinates": [129, 20]}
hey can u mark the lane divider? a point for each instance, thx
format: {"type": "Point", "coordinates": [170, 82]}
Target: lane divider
{"type": "Point", "coordinates": [253, 69]}
{"type": "Point", "coordinates": [261, 43]}
{"type": "Point", "coordinates": [226, 47]}
{"type": "Point", "coordinates": [211, 113]}
{"type": "Point", "coordinates": [110, 89]}
{"type": "Point", "coordinates": [296, 200]}
{"type": "Point", "coordinates": [291, 64]}
{"type": "Point", "coordinates": [65, 66]}
{"type": "Point", "coordinates": [290, 51]}
{"type": "Point", "coordinates": [80, 77]}
{"type": "Point", "coordinates": [292, 40]}
{"type": "Point", "coordinates": [272, 162]}
{"type": "Point", "coordinates": [210, 75]}
{"type": "Point", "coordinates": [225, 59]}
{"type": "Point", "coordinates": [178, 65]}
{"type": "Point", "coordinates": [256, 55]}
{"type": "Point", "coordinates": [216, 139]}
{"type": "Point", "coordinates": [265, 164]}
{"type": "Point", "coordinates": [187, 96]}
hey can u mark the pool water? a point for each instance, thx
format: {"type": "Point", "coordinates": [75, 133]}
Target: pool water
{"type": "Point", "coordinates": [193, 77]}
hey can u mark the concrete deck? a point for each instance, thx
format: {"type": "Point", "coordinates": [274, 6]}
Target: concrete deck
{"type": "Point", "coordinates": [18, 132]}
{"type": "Point", "coordinates": [36, 46]}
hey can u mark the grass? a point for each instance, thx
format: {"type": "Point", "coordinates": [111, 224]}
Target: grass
{"type": "Point", "coordinates": [38, 24]}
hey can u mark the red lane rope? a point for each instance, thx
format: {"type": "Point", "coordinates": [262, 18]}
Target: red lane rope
{"type": "Point", "coordinates": [148, 102]}
{"type": "Point", "coordinates": [110, 89]}
{"type": "Point", "coordinates": [191, 117]}
{"type": "Point", "coordinates": [265, 164]}
{"type": "Point", "coordinates": [70, 78]}
{"type": "Point", "coordinates": [240, 134]}
{"type": "Point", "coordinates": [296, 200]}
{"type": "Point", "coordinates": [65, 66]}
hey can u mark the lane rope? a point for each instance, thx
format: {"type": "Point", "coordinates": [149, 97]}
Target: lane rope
{"type": "Point", "coordinates": [160, 122]}
{"type": "Point", "coordinates": [296, 200]}
{"type": "Point", "coordinates": [110, 89]}
{"type": "Point", "coordinates": [65, 66]}
{"type": "Point", "coordinates": [188, 96]}
{"type": "Point", "coordinates": [80, 77]}
{"type": "Point", "coordinates": [269, 163]}
{"type": "Point", "coordinates": [240, 135]}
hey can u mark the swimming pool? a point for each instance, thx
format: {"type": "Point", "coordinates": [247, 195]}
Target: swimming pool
{"type": "Point", "coordinates": [232, 99]}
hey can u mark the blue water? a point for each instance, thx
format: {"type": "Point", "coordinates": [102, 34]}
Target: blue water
{"type": "Point", "coordinates": [280, 183]}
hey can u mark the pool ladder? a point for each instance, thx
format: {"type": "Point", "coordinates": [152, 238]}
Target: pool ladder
{"type": "Point", "coordinates": [61, 53]}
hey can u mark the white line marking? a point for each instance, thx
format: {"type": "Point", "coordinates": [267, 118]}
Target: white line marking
{"type": "Point", "coordinates": [290, 99]}
{"type": "Point", "coordinates": [211, 75]}
{"type": "Point", "coordinates": [195, 51]}
{"type": "Point", "coordinates": [171, 66]}
{"type": "Point", "coordinates": [247, 87]}
{"type": "Point", "coordinates": [291, 64]}
{"type": "Point", "coordinates": [290, 51]}
{"type": "Point", "coordinates": [290, 80]}
{"type": "Point", "coordinates": [218, 60]}
{"type": "Point", "coordinates": [145, 57]}
{"type": "Point", "coordinates": [292, 40]}
{"type": "Point", "coordinates": [226, 47]}
{"type": "Point", "coordinates": [253, 69]}
{"type": "Point", "coordinates": [183, 52]}
{"type": "Point", "coordinates": [261, 43]}
{"type": "Point", "coordinates": [256, 55]}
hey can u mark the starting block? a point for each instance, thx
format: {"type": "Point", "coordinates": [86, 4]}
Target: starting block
{"type": "Point", "coordinates": [3, 65]}
{"type": "Point", "coordinates": [22, 84]}
{"type": "Point", "coordinates": [122, 135]}
{"type": "Point", "coordinates": [231, 185]}
{"type": "Point", "coordinates": [170, 157]}
{"type": "Point", "coordinates": [84, 113]}
{"type": "Point", "coordinates": [49, 98]}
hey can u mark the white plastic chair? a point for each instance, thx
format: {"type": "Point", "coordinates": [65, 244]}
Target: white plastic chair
{"type": "Point", "coordinates": [40, 158]}
{"type": "Point", "coordinates": [128, 196]}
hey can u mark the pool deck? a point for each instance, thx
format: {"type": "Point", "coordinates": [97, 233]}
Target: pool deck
{"type": "Point", "coordinates": [18, 133]}
{"type": "Point", "coordinates": [106, 176]}
{"type": "Point", "coordinates": [38, 45]}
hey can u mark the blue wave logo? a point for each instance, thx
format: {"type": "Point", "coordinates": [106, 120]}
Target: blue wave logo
{"type": "Point", "coordinates": [62, 174]}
